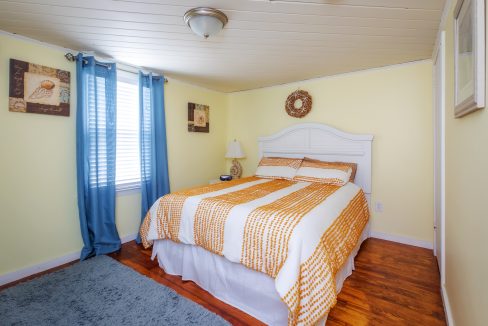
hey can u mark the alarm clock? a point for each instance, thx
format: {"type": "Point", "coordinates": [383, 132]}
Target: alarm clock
{"type": "Point", "coordinates": [225, 177]}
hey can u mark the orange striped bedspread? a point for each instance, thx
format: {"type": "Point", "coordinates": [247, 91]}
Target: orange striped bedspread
{"type": "Point", "coordinates": [299, 233]}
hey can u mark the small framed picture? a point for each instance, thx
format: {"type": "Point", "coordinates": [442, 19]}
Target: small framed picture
{"type": "Point", "coordinates": [198, 118]}
{"type": "Point", "coordinates": [469, 56]}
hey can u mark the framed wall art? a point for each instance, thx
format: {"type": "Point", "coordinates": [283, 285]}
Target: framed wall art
{"type": "Point", "coordinates": [38, 89]}
{"type": "Point", "coordinates": [198, 117]}
{"type": "Point", "coordinates": [469, 56]}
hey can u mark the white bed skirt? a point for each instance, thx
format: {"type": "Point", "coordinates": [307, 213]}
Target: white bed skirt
{"type": "Point", "coordinates": [250, 291]}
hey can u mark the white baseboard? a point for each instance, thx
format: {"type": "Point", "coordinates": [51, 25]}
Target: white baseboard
{"type": "Point", "coordinates": [28, 271]}
{"type": "Point", "coordinates": [17, 275]}
{"type": "Point", "coordinates": [447, 306]}
{"type": "Point", "coordinates": [128, 238]}
{"type": "Point", "coordinates": [402, 239]}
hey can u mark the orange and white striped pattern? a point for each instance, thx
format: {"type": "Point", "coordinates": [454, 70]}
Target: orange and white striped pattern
{"type": "Point", "coordinates": [168, 210]}
{"type": "Point", "coordinates": [268, 228]}
{"type": "Point", "coordinates": [323, 172]}
{"type": "Point", "coordinates": [314, 293]}
{"type": "Point", "coordinates": [299, 233]}
{"type": "Point", "coordinates": [352, 165]}
{"type": "Point", "coordinates": [212, 213]}
{"type": "Point", "coordinates": [278, 167]}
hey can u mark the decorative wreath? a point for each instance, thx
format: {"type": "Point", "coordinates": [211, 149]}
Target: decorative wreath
{"type": "Point", "coordinates": [298, 104]}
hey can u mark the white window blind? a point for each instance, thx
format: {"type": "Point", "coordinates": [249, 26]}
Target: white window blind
{"type": "Point", "coordinates": [97, 135]}
{"type": "Point", "coordinates": [128, 171]}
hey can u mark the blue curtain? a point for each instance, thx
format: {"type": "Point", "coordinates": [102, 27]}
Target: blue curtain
{"type": "Point", "coordinates": [95, 155]}
{"type": "Point", "coordinates": [154, 157]}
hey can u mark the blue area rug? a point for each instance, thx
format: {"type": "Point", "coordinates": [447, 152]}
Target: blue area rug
{"type": "Point", "coordinates": [99, 291]}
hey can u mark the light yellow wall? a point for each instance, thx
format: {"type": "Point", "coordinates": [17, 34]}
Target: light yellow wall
{"type": "Point", "coordinates": [393, 103]}
{"type": "Point", "coordinates": [38, 205]}
{"type": "Point", "coordinates": [466, 205]}
{"type": "Point", "coordinates": [39, 217]}
{"type": "Point", "coordinates": [195, 157]}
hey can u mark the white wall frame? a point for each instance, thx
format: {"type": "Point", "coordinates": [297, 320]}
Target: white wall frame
{"type": "Point", "coordinates": [439, 75]}
{"type": "Point", "coordinates": [470, 96]}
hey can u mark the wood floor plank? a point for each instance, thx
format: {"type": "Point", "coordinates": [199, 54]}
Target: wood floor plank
{"type": "Point", "coordinates": [393, 284]}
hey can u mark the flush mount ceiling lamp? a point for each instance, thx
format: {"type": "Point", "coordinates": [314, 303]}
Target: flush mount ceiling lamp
{"type": "Point", "coordinates": [204, 21]}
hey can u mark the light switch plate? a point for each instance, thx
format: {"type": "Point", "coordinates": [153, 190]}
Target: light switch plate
{"type": "Point", "coordinates": [378, 207]}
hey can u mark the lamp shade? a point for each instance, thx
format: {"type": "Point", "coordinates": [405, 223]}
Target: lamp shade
{"type": "Point", "coordinates": [205, 26]}
{"type": "Point", "coordinates": [234, 150]}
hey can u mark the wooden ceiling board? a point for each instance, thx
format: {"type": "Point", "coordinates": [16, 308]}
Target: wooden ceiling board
{"type": "Point", "coordinates": [250, 37]}
{"type": "Point", "coordinates": [417, 4]}
{"type": "Point", "coordinates": [237, 17]}
{"type": "Point", "coordinates": [178, 8]}
{"type": "Point", "coordinates": [273, 42]}
{"type": "Point", "coordinates": [12, 18]}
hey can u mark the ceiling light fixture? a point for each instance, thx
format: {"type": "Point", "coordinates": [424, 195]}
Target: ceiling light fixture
{"type": "Point", "coordinates": [204, 21]}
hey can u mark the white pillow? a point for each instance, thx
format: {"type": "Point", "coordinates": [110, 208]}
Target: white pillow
{"type": "Point", "coordinates": [278, 167]}
{"type": "Point", "coordinates": [323, 172]}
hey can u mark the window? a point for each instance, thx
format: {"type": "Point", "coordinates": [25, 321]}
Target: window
{"type": "Point", "coordinates": [97, 132]}
{"type": "Point", "coordinates": [128, 173]}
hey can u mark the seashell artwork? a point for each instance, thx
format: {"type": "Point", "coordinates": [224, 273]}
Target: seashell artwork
{"type": "Point", "coordinates": [198, 117]}
{"type": "Point", "coordinates": [38, 89]}
{"type": "Point", "coordinates": [47, 84]}
{"type": "Point", "coordinates": [41, 89]}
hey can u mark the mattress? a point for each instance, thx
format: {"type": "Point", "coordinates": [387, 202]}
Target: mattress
{"type": "Point", "coordinates": [299, 234]}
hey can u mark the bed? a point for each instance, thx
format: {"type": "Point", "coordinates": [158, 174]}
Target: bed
{"type": "Point", "coordinates": [278, 250]}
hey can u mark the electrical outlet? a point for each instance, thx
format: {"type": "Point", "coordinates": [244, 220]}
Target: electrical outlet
{"type": "Point", "coordinates": [378, 207]}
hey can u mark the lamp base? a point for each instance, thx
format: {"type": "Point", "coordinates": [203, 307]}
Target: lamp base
{"type": "Point", "coordinates": [235, 169]}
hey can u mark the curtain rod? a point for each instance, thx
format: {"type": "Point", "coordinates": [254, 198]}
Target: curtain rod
{"type": "Point", "coordinates": [71, 57]}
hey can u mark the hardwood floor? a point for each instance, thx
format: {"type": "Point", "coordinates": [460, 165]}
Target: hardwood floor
{"type": "Point", "coordinates": [393, 284]}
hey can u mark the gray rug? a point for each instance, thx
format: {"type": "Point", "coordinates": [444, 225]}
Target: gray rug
{"type": "Point", "coordinates": [99, 291]}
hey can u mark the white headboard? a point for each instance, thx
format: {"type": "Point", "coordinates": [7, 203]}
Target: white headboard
{"type": "Point", "coordinates": [322, 142]}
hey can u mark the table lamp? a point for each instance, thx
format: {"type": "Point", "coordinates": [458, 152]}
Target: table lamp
{"type": "Point", "coordinates": [234, 151]}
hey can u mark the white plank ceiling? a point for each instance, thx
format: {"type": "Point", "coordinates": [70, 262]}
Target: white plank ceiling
{"type": "Point", "coordinates": [265, 42]}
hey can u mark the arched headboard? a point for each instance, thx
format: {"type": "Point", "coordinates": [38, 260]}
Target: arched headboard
{"type": "Point", "coordinates": [322, 142]}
